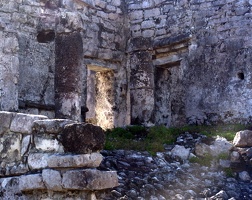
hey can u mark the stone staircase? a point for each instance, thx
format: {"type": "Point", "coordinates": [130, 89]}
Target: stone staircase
{"type": "Point", "coordinates": [35, 161]}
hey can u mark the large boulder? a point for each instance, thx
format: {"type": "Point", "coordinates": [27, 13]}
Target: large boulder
{"type": "Point", "coordinates": [82, 138]}
{"type": "Point", "coordinates": [219, 146]}
{"type": "Point", "coordinates": [181, 152]}
{"type": "Point", "coordinates": [243, 139]}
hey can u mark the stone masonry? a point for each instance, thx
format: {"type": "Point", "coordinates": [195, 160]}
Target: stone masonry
{"type": "Point", "coordinates": [36, 161]}
{"type": "Point", "coordinates": [151, 62]}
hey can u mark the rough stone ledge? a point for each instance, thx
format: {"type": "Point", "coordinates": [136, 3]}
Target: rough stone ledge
{"type": "Point", "coordinates": [31, 182]}
{"type": "Point", "coordinates": [84, 179]}
{"type": "Point", "coordinates": [89, 179]}
{"type": "Point", "coordinates": [50, 126]}
{"type": "Point", "coordinates": [171, 40]}
{"type": "Point", "coordinates": [22, 123]}
{"type": "Point", "coordinates": [47, 160]}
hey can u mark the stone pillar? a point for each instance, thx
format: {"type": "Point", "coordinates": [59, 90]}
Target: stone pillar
{"type": "Point", "coordinates": [142, 87]}
{"type": "Point", "coordinates": [9, 72]}
{"type": "Point", "coordinates": [141, 80]}
{"type": "Point", "coordinates": [68, 75]}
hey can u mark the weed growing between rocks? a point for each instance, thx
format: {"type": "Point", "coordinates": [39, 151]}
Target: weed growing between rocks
{"type": "Point", "coordinates": [153, 139]}
{"type": "Point", "coordinates": [206, 160]}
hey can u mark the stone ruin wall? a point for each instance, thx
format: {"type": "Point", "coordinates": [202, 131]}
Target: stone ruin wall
{"type": "Point", "coordinates": [49, 158]}
{"type": "Point", "coordinates": [168, 62]}
{"type": "Point", "coordinates": [29, 30]}
{"type": "Point", "coordinates": [201, 61]}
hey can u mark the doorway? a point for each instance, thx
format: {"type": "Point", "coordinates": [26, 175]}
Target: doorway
{"type": "Point", "coordinates": [100, 96]}
{"type": "Point", "coordinates": [162, 110]}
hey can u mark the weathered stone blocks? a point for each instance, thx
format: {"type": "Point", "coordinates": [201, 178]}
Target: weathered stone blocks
{"type": "Point", "coordinates": [89, 179]}
{"type": "Point", "coordinates": [22, 123]}
{"type": "Point", "coordinates": [82, 138]}
{"type": "Point", "coordinates": [31, 155]}
{"type": "Point", "coordinates": [31, 182]}
{"type": "Point", "coordinates": [38, 161]}
{"type": "Point", "coordinates": [52, 179]}
{"type": "Point", "coordinates": [47, 143]}
{"type": "Point", "coordinates": [50, 126]}
{"type": "Point", "coordinates": [45, 160]}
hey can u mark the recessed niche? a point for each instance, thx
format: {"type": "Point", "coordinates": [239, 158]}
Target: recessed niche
{"type": "Point", "coordinates": [45, 36]}
{"type": "Point", "coordinates": [240, 75]}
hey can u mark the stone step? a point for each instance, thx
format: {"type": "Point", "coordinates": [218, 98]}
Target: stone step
{"type": "Point", "coordinates": [47, 160]}
{"type": "Point", "coordinates": [50, 126]}
{"type": "Point", "coordinates": [83, 179]}
{"type": "Point", "coordinates": [18, 122]}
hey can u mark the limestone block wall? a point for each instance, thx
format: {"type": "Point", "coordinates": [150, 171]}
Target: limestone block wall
{"type": "Point", "coordinates": [30, 28]}
{"type": "Point", "coordinates": [173, 62]}
{"type": "Point", "coordinates": [36, 162]}
{"type": "Point", "coordinates": [204, 47]}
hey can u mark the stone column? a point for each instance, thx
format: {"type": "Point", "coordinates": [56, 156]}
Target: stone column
{"type": "Point", "coordinates": [9, 72]}
{"type": "Point", "coordinates": [68, 75]}
{"type": "Point", "coordinates": [142, 87]}
{"type": "Point", "coordinates": [141, 80]}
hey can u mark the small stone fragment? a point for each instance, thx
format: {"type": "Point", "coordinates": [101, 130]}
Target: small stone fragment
{"type": "Point", "coordinates": [5, 120]}
{"type": "Point", "coordinates": [244, 176]}
{"type": "Point", "coordinates": [25, 144]}
{"type": "Point", "coordinates": [181, 152]}
{"type": "Point", "coordinates": [220, 195]}
{"type": "Point", "coordinates": [31, 182]}
{"type": "Point", "coordinates": [52, 179]}
{"type": "Point", "coordinates": [37, 160]}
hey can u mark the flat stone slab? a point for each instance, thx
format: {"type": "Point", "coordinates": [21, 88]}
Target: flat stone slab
{"type": "Point", "coordinates": [50, 126]}
{"type": "Point", "coordinates": [31, 182]}
{"type": "Point", "coordinates": [89, 179]}
{"type": "Point", "coordinates": [22, 123]}
{"type": "Point", "coordinates": [52, 179]}
{"type": "Point", "coordinates": [38, 160]}
{"type": "Point", "coordinates": [45, 160]}
{"type": "Point", "coordinates": [82, 160]}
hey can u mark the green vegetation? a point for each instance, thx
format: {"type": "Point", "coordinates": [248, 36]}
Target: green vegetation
{"type": "Point", "coordinates": [205, 160]}
{"type": "Point", "coordinates": [223, 156]}
{"type": "Point", "coordinates": [224, 130]}
{"type": "Point", "coordinates": [153, 139]}
{"type": "Point", "coordinates": [229, 172]}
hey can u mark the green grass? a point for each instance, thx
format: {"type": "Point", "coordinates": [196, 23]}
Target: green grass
{"type": "Point", "coordinates": [227, 131]}
{"type": "Point", "coordinates": [205, 160]}
{"type": "Point", "coordinates": [152, 139]}
{"type": "Point", "coordinates": [229, 172]}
